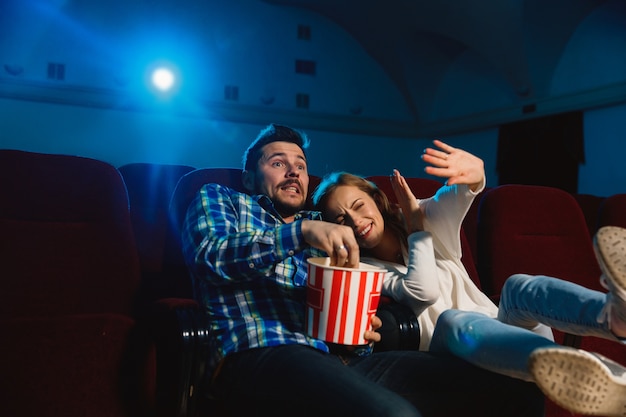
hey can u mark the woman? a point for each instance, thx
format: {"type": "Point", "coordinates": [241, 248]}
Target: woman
{"type": "Point", "coordinates": [422, 252]}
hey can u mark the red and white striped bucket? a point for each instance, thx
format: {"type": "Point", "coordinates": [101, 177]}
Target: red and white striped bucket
{"type": "Point", "coordinates": [341, 301]}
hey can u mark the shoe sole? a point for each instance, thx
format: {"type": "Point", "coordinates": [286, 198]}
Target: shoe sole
{"type": "Point", "coordinates": [610, 247]}
{"type": "Point", "coordinates": [578, 381]}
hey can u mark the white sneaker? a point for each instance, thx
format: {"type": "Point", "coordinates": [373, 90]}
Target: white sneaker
{"type": "Point", "coordinates": [609, 244]}
{"type": "Point", "coordinates": [579, 381]}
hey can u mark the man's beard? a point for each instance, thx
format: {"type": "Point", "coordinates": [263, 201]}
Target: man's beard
{"type": "Point", "coordinates": [287, 210]}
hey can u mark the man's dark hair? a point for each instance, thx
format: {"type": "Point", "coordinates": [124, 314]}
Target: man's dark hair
{"type": "Point", "coordinates": [272, 133]}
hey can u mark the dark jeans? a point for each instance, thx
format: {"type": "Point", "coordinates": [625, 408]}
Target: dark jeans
{"type": "Point", "coordinates": [297, 380]}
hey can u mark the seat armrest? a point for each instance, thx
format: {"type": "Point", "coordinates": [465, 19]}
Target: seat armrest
{"type": "Point", "coordinates": [181, 333]}
{"type": "Point", "coordinates": [400, 329]}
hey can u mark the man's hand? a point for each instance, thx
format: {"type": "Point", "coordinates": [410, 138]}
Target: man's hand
{"type": "Point", "coordinates": [372, 335]}
{"type": "Point", "coordinates": [336, 240]}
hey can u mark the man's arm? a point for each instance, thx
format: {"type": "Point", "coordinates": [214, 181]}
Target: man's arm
{"type": "Point", "coordinates": [228, 234]}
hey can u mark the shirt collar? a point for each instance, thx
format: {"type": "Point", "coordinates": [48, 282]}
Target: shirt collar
{"type": "Point", "coordinates": [265, 202]}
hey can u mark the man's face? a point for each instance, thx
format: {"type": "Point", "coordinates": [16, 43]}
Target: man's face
{"type": "Point", "coordinates": [282, 175]}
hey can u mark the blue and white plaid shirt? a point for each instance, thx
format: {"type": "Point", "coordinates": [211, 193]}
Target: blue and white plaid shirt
{"type": "Point", "coordinates": [249, 270]}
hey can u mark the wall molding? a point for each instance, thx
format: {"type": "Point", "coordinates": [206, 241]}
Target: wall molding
{"type": "Point", "coordinates": [112, 99]}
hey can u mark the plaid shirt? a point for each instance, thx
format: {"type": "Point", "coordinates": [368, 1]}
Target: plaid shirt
{"type": "Point", "coordinates": [249, 270]}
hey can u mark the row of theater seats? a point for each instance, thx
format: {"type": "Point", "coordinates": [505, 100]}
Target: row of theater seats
{"type": "Point", "coordinates": [77, 338]}
{"type": "Point", "coordinates": [508, 229]}
{"type": "Point", "coordinates": [96, 307]}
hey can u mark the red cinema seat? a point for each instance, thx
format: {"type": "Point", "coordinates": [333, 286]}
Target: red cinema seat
{"type": "Point", "coordinates": [612, 211]}
{"type": "Point", "coordinates": [538, 230]}
{"type": "Point", "coordinates": [75, 340]}
{"type": "Point", "coordinates": [68, 276]}
{"type": "Point", "coordinates": [534, 230]}
{"type": "Point", "coordinates": [150, 187]}
{"type": "Point", "coordinates": [590, 205]}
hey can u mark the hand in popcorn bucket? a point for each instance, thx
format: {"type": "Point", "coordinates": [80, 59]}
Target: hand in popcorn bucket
{"type": "Point", "coordinates": [341, 301]}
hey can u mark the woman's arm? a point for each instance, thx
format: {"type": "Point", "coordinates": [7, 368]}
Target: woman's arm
{"type": "Point", "coordinates": [419, 287]}
{"type": "Point", "coordinates": [443, 214]}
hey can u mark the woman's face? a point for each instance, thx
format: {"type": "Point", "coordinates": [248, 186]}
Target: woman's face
{"type": "Point", "coordinates": [350, 206]}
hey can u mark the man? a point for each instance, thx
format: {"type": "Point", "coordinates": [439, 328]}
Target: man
{"type": "Point", "coordinates": [247, 256]}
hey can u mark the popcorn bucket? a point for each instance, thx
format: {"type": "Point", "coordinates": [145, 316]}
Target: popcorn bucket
{"type": "Point", "coordinates": [341, 301]}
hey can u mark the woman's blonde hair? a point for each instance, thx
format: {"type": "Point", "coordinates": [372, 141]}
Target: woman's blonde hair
{"type": "Point", "coordinates": [391, 214]}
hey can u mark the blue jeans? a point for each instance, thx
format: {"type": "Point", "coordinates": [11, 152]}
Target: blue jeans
{"type": "Point", "coordinates": [294, 380]}
{"type": "Point", "coordinates": [528, 304]}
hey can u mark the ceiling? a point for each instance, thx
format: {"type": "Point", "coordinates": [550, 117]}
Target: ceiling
{"type": "Point", "coordinates": [416, 41]}
{"type": "Point", "coordinates": [458, 65]}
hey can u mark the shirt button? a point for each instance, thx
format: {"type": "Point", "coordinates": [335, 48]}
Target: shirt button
{"type": "Point", "coordinates": [251, 265]}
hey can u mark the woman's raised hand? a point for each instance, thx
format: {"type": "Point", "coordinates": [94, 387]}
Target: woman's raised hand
{"type": "Point", "coordinates": [457, 165]}
{"type": "Point", "coordinates": [413, 215]}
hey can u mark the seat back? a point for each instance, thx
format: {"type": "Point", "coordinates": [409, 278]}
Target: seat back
{"type": "Point", "coordinates": [470, 226]}
{"type": "Point", "coordinates": [590, 206]}
{"type": "Point", "coordinates": [421, 187]}
{"type": "Point", "coordinates": [534, 230]}
{"type": "Point", "coordinates": [67, 241]}
{"type": "Point", "coordinates": [424, 188]}
{"type": "Point", "coordinates": [150, 187]}
{"type": "Point", "coordinates": [68, 275]}
{"type": "Point", "coordinates": [612, 211]}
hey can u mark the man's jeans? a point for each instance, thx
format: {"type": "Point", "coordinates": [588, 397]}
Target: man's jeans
{"type": "Point", "coordinates": [294, 380]}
